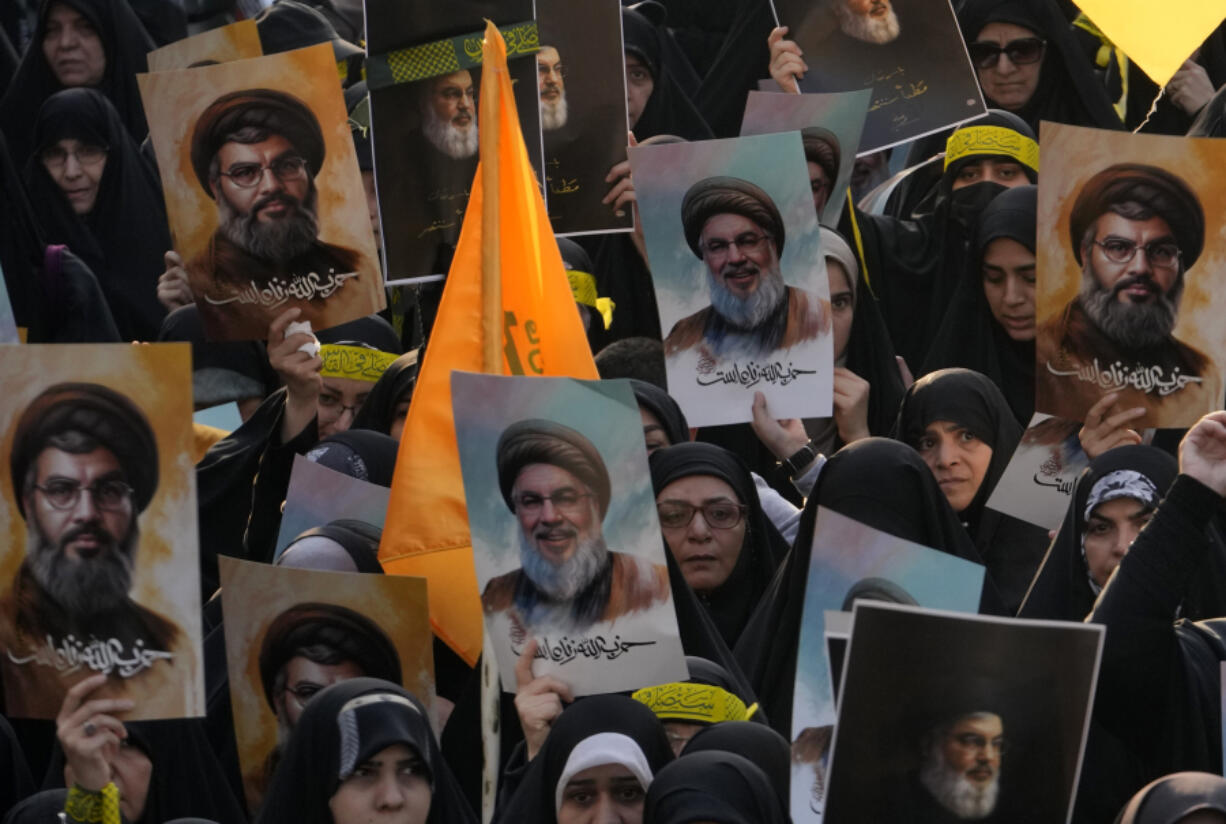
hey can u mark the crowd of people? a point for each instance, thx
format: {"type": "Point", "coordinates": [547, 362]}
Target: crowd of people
{"type": "Point", "coordinates": [933, 313]}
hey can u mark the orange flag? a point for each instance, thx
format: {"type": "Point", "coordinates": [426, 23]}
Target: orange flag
{"type": "Point", "coordinates": [507, 309]}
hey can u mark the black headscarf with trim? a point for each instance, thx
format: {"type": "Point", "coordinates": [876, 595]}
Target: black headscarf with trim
{"type": "Point", "coordinates": [969, 336]}
{"type": "Point", "coordinates": [1011, 549]}
{"type": "Point", "coordinates": [358, 539]}
{"type": "Point", "coordinates": [883, 484]}
{"type": "Point", "coordinates": [394, 387]}
{"type": "Point", "coordinates": [713, 787]}
{"type": "Point", "coordinates": [731, 603]}
{"type": "Point", "coordinates": [757, 742]}
{"type": "Point", "coordinates": [1173, 798]}
{"type": "Point", "coordinates": [310, 769]}
{"type": "Point", "coordinates": [667, 411]}
{"type": "Point", "coordinates": [126, 44]}
{"type": "Point", "coordinates": [124, 236]}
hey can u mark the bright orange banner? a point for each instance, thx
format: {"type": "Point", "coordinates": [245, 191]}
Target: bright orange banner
{"type": "Point", "coordinates": [506, 309]}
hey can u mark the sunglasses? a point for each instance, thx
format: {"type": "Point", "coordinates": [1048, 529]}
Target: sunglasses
{"type": "Point", "coordinates": [1020, 52]}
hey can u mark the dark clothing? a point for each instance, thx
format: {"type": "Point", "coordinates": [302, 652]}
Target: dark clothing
{"type": "Point", "coordinates": [713, 786]}
{"type": "Point", "coordinates": [394, 387]}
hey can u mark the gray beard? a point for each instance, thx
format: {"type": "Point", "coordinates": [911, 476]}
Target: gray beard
{"type": "Point", "coordinates": [454, 142]}
{"type": "Point", "coordinates": [865, 28]}
{"type": "Point", "coordinates": [553, 115]}
{"type": "Point", "coordinates": [562, 582]}
{"type": "Point", "coordinates": [1129, 325]}
{"type": "Point", "coordinates": [86, 586]}
{"type": "Point", "coordinates": [276, 241]}
{"type": "Point", "coordinates": [955, 792]}
{"type": "Point", "coordinates": [751, 312]}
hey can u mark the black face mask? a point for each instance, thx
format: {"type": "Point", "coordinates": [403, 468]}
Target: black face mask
{"type": "Point", "coordinates": [967, 204]}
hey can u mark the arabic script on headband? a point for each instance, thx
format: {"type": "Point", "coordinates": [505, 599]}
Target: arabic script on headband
{"type": "Point", "coordinates": [1139, 377]}
{"type": "Point", "coordinates": [279, 290]}
{"type": "Point", "coordinates": [105, 656]}
{"type": "Point", "coordinates": [753, 373]}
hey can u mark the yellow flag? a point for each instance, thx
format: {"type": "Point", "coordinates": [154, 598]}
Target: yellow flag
{"type": "Point", "coordinates": [506, 309]}
{"type": "Point", "coordinates": [1158, 37]}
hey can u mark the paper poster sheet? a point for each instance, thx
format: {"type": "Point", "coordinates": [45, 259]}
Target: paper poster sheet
{"type": "Point", "coordinates": [318, 495]}
{"type": "Point", "coordinates": [263, 191]}
{"type": "Point", "coordinates": [830, 126]}
{"type": "Point", "coordinates": [565, 534]}
{"type": "Point", "coordinates": [426, 130]}
{"type": "Point", "coordinates": [237, 41]}
{"type": "Point", "coordinates": [8, 323]}
{"type": "Point", "coordinates": [967, 717]}
{"type": "Point", "coordinates": [100, 567]}
{"type": "Point", "coordinates": [740, 283]}
{"type": "Point", "coordinates": [1038, 482]}
{"type": "Point", "coordinates": [1127, 296]}
{"type": "Point", "coordinates": [280, 620]}
{"type": "Point", "coordinates": [850, 562]}
{"type": "Point", "coordinates": [581, 72]}
{"type": "Point", "coordinates": [909, 52]}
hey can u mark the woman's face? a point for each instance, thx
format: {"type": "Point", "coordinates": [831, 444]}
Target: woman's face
{"type": "Point", "coordinates": [639, 86]}
{"type": "Point", "coordinates": [958, 460]}
{"type": "Point", "coordinates": [1008, 285]}
{"type": "Point", "coordinates": [77, 168]}
{"type": "Point", "coordinates": [1009, 85]}
{"type": "Point", "coordinates": [654, 435]}
{"type": "Point", "coordinates": [390, 788]}
{"type": "Point", "coordinates": [73, 48]}
{"type": "Point", "coordinates": [843, 305]}
{"type": "Point", "coordinates": [608, 794]}
{"type": "Point", "coordinates": [706, 554]}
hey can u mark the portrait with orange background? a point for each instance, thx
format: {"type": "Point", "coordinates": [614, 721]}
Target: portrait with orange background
{"type": "Point", "coordinates": [237, 41]}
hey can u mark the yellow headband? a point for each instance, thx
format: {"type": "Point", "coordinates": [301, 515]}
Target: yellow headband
{"type": "Point", "coordinates": [696, 703]}
{"type": "Point", "coordinates": [583, 287]}
{"type": "Point", "coordinates": [992, 140]}
{"type": "Point", "coordinates": [355, 362]}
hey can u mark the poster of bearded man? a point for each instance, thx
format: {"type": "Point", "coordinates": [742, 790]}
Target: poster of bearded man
{"type": "Point", "coordinates": [263, 191]}
{"type": "Point", "coordinates": [733, 242]}
{"type": "Point", "coordinates": [1128, 298]}
{"type": "Point", "coordinates": [99, 571]}
{"type": "Point", "coordinates": [565, 536]}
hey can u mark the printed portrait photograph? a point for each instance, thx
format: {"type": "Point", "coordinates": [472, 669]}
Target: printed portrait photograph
{"type": "Point", "coordinates": [949, 717]}
{"type": "Point", "coordinates": [318, 496]}
{"type": "Point", "coordinates": [263, 191]}
{"type": "Point", "coordinates": [741, 287]}
{"type": "Point", "coordinates": [830, 126]}
{"type": "Point", "coordinates": [426, 131]}
{"type": "Point", "coordinates": [1126, 297]}
{"type": "Point", "coordinates": [100, 572]}
{"type": "Point", "coordinates": [909, 52]}
{"type": "Point", "coordinates": [582, 83]}
{"type": "Point", "coordinates": [292, 632]}
{"type": "Point", "coordinates": [851, 562]}
{"type": "Point", "coordinates": [566, 539]}
{"type": "Point", "coordinates": [236, 41]}
{"type": "Point", "coordinates": [1038, 481]}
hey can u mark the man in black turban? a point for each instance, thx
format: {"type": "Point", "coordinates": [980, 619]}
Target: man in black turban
{"type": "Point", "coordinates": [555, 481]}
{"type": "Point", "coordinates": [311, 646]}
{"type": "Point", "coordinates": [822, 157]}
{"type": "Point", "coordinates": [735, 228]}
{"type": "Point", "coordinates": [257, 153]}
{"type": "Point", "coordinates": [1135, 230]}
{"type": "Point", "coordinates": [84, 465]}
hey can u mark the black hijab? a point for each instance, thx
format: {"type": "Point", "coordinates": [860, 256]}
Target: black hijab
{"type": "Point", "coordinates": [359, 453]}
{"type": "Point", "coordinates": [1069, 90]}
{"type": "Point", "coordinates": [668, 110]}
{"type": "Point", "coordinates": [881, 483]}
{"type": "Point", "coordinates": [757, 742]}
{"type": "Point", "coordinates": [123, 238]}
{"type": "Point", "coordinates": [40, 808]}
{"type": "Point", "coordinates": [394, 386]}
{"type": "Point", "coordinates": [187, 780]}
{"type": "Point", "coordinates": [359, 539]}
{"type": "Point", "coordinates": [731, 603]}
{"type": "Point", "coordinates": [126, 44]}
{"type": "Point", "coordinates": [1171, 798]}
{"type": "Point", "coordinates": [969, 336]}
{"type": "Point", "coordinates": [1012, 549]}
{"type": "Point", "coordinates": [15, 780]}
{"type": "Point", "coordinates": [914, 265]}
{"type": "Point", "coordinates": [333, 737]}
{"type": "Point", "coordinates": [222, 371]}
{"type": "Point", "coordinates": [536, 798]}
{"type": "Point", "coordinates": [715, 788]}
{"type": "Point", "coordinates": [661, 404]}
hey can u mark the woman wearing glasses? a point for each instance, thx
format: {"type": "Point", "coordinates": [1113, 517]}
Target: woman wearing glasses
{"type": "Point", "coordinates": [93, 191]}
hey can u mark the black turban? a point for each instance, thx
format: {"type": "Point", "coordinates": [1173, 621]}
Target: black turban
{"type": "Point", "coordinates": [354, 636]}
{"type": "Point", "coordinates": [546, 442]}
{"type": "Point", "coordinates": [723, 195]}
{"type": "Point", "coordinates": [101, 413]}
{"type": "Point", "coordinates": [822, 148]}
{"type": "Point", "coordinates": [1165, 194]}
{"type": "Point", "coordinates": [274, 111]}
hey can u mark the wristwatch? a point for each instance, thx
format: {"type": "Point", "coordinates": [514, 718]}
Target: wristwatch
{"type": "Point", "coordinates": [799, 459]}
